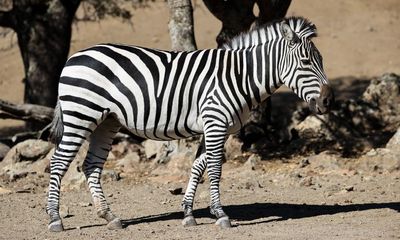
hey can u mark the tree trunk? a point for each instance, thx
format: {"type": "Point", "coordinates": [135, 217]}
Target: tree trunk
{"type": "Point", "coordinates": [43, 29]}
{"type": "Point", "coordinates": [181, 28]}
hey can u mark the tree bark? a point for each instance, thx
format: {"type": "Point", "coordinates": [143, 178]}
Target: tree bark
{"type": "Point", "coordinates": [181, 28]}
{"type": "Point", "coordinates": [43, 29]}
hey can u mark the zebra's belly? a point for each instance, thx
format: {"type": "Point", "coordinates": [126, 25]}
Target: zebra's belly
{"type": "Point", "coordinates": [163, 130]}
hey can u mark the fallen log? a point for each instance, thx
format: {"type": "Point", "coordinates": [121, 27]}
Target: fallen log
{"type": "Point", "coordinates": [26, 112]}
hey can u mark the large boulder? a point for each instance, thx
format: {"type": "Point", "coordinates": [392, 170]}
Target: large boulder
{"type": "Point", "coordinates": [24, 158]}
{"type": "Point", "coordinates": [354, 125]}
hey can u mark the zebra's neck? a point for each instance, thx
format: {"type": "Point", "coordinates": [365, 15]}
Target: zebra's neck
{"type": "Point", "coordinates": [254, 72]}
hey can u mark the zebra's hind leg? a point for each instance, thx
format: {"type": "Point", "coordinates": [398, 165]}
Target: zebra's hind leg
{"type": "Point", "coordinates": [100, 145]}
{"type": "Point", "coordinates": [198, 168]}
{"type": "Point", "coordinates": [59, 163]}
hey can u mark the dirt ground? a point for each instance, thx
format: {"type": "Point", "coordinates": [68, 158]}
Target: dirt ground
{"type": "Point", "coordinates": [271, 202]}
{"type": "Point", "coordinates": [278, 200]}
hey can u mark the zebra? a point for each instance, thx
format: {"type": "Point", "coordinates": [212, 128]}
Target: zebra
{"type": "Point", "coordinates": [164, 95]}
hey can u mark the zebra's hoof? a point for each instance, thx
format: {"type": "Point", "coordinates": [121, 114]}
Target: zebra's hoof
{"type": "Point", "coordinates": [189, 221]}
{"type": "Point", "coordinates": [223, 222]}
{"type": "Point", "coordinates": [56, 226]}
{"type": "Point", "coordinates": [115, 224]}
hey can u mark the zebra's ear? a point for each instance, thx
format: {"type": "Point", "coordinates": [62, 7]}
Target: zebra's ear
{"type": "Point", "coordinates": [288, 33]}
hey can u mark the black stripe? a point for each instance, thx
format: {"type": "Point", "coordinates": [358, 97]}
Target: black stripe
{"type": "Point", "coordinates": [84, 102]}
{"type": "Point", "coordinates": [82, 83]}
{"type": "Point", "coordinates": [80, 116]}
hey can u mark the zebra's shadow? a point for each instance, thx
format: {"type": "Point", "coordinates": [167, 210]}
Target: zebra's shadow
{"type": "Point", "coordinates": [256, 213]}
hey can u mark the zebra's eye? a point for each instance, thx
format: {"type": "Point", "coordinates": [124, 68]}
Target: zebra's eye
{"type": "Point", "coordinates": [305, 61]}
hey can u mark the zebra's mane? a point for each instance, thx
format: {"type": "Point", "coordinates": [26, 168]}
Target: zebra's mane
{"type": "Point", "coordinates": [260, 34]}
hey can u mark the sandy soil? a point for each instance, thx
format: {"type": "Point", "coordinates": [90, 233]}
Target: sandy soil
{"type": "Point", "coordinates": [268, 203]}
{"type": "Point", "coordinates": [358, 38]}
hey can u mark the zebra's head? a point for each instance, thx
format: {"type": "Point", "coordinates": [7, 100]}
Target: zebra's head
{"type": "Point", "coordinates": [301, 67]}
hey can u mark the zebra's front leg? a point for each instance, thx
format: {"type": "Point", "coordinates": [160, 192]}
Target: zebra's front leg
{"type": "Point", "coordinates": [100, 145]}
{"type": "Point", "coordinates": [198, 169]}
{"type": "Point", "coordinates": [214, 134]}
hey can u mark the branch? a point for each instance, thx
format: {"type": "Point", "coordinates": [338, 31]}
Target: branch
{"type": "Point", "coordinates": [7, 19]}
{"type": "Point", "coordinates": [26, 112]}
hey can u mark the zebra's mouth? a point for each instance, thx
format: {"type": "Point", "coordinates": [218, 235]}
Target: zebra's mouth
{"type": "Point", "coordinates": [324, 102]}
{"type": "Point", "coordinates": [316, 108]}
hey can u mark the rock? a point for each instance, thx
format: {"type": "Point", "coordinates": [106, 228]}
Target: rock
{"type": "Point", "coordinates": [303, 163]}
{"type": "Point", "coordinates": [394, 142]}
{"type": "Point", "coordinates": [252, 162]}
{"type": "Point", "coordinates": [129, 163]}
{"type": "Point", "coordinates": [383, 159]}
{"type": "Point", "coordinates": [332, 189]}
{"type": "Point", "coordinates": [4, 190]}
{"type": "Point", "coordinates": [75, 178]}
{"type": "Point", "coordinates": [306, 182]}
{"type": "Point", "coordinates": [151, 148]}
{"type": "Point", "coordinates": [123, 148]}
{"type": "Point", "coordinates": [85, 204]}
{"type": "Point", "coordinates": [17, 170]}
{"type": "Point", "coordinates": [29, 150]}
{"type": "Point", "coordinates": [177, 169]}
{"type": "Point", "coordinates": [175, 191]}
{"type": "Point", "coordinates": [110, 175]}
{"type": "Point", "coordinates": [324, 161]}
{"type": "Point", "coordinates": [233, 148]}
{"type": "Point", "coordinates": [349, 188]}
{"type": "Point", "coordinates": [313, 127]}
{"type": "Point", "coordinates": [3, 150]}
{"type": "Point", "coordinates": [64, 211]}
{"type": "Point", "coordinates": [354, 125]}
{"type": "Point", "coordinates": [384, 94]}
{"type": "Point", "coordinates": [163, 151]}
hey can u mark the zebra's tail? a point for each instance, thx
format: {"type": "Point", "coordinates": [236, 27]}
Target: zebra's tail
{"type": "Point", "coordinates": [57, 128]}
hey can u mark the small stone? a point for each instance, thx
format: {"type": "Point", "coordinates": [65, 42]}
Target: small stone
{"type": "Point", "coordinates": [110, 195]}
{"type": "Point", "coordinates": [110, 175]}
{"type": "Point", "coordinates": [175, 191]}
{"type": "Point", "coordinates": [349, 188]}
{"type": "Point", "coordinates": [306, 182]}
{"type": "Point", "coordinates": [64, 212]}
{"type": "Point", "coordinates": [85, 204]}
{"type": "Point", "coordinates": [248, 185]}
{"type": "Point", "coordinates": [304, 162]}
{"type": "Point", "coordinates": [252, 161]}
{"type": "Point", "coordinates": [4, 191]}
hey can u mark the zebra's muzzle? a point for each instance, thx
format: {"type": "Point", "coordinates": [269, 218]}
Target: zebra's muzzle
{"type": "Point", "coordinates": [324, 102]}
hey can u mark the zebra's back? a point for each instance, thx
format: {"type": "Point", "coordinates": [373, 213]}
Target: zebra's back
{"type": "Point", "coordinates": [155, 94]}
